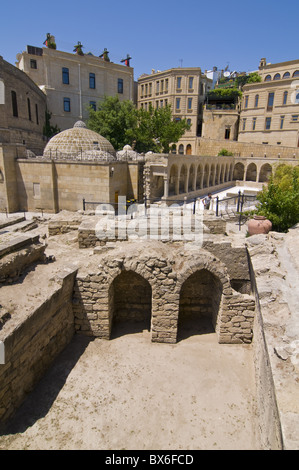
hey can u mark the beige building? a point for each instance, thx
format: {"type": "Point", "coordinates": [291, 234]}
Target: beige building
{"type": "Point", "coordinates": [184, 89]}
{"type": "Point", "coordinates": [22, 109]}
{"type": "Point", "coordinates": [73, 82]}
{"type": "Point", "coordinates": [77, 164]}
{"type": "Point", "coordinates": [270, 109]}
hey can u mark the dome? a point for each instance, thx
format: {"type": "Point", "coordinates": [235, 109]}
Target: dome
{"type": "Point", "coordinates": [79, 142]}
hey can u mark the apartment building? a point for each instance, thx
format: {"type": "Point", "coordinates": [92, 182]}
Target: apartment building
{"type": "Point", "coordinates": [270, 109]}
{"type": "Point", "coordinates": [73, 82]}
{"type": "Point", "coordinates": [184, 89]}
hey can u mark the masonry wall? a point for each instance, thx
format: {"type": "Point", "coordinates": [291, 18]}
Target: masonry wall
{"type": "Point", "coordinates": [32, 345]}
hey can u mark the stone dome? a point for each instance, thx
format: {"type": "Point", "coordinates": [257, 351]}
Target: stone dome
{"type": "Point", "coordinates": [79, 143]}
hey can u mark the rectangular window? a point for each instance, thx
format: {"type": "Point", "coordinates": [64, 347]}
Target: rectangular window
{"type": "Point", "coordinates": [285, 97]}
{"type": "Point", "coordinates": [92, 80]}
{"type": "Point", "coordinates": [189, 104]}
{"type": "Point", "coordinates": [179, 82]}
{"type": "Point", "coordinates": [244, 124]}
{"type": "Point", "coordinates": [256, 101]}
{"type": "Point", "coordinates": [65, 76]}
{"type": "Point", "coordinates": [120, 85]}
{"type": "Point", "coordinates": [29, 109]}
{"type": "Point", "coordinates": [191, 83]}
{"type": "Point", "coordinates": [142, 91]}
{"type": "Point", "coordinates": [246, 101]}
{"type": "Point", "coordinates": [36, 114]}
{"type": "Point", "coordinates": [166, 84]}
{"type": "Point", "coordinates": [150, 89]}
{"type": "Point", "coordinates": [253, 123]}
{"type": "Point", "coordinates": [93, 105]}
{"type": "Point", "coordinates": [33, 64]}
{"type": "Point", "coordinates": [162, 86]}
{"type": "Point", "coordinates": [270, 101]}
{"type": "Point", "coordinates": [268, 124]}
{"type": "Point", "coordinates": [294, 118]}
{"type": "Point", "coordinates": [67, 105]}
{"type": "Point", "coordinates": [157, 86]}
{"type": "Point", "coordinates": [14, 104]}
{"type": "Point", "coordinates": [178, 103]}
{"type": "Point", "coordinates": [281, 122]}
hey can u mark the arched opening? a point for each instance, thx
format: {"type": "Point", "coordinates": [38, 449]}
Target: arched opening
{"type": "Point", "coordinates": [157, 186]}
{"type": "Point", "coordinates": [265, 173]}
{"type": "Point", "coordinates": [206, 176]}
{"type": "Point", "coordinates": [183, 179]}
{"type": "Point", "coordinates": [251, 172]}
{"type": "Point", "coordinates": [173, 180]}
{"type": "Point", "coordinates": [173, 148]}
{"type": "Point", "coordinates": [199, 177]}
{"type": "Point", "coordinates": [212, 176]}
{"type": "Point", "coordinates": [189, 149]}
{"type": "Point", "coordinates": [200, 299]}
{"type": "Point", "coordinates": [217, 174]}
{"type": "Point", "coordinates": [238, 172]}
{"type": "Point", "coordinates": [191, 185]}
{"type": "Point", "coordinates": [130, 302]}
{"type": "Point", "coordinates": [181, 149]}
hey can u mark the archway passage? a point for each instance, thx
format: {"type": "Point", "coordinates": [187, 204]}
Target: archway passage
{"type": "Point", "coordinates": [130, 304]}
{"type": "Point", "coordinates": [199, 304]}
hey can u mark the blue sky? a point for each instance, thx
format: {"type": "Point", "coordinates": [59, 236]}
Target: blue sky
{"type": "Point", "coordinates": [158, 34]}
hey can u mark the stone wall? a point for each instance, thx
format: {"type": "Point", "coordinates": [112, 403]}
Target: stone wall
{"type": "Point", "coordinates": [164, 272]}
{"type": "Point", "coordinates": [32, 345]}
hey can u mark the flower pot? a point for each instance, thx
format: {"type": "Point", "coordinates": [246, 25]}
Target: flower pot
{"type": "Point", "coordinates": [259, 224]}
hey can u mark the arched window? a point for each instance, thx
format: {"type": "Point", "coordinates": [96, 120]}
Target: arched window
{"type": "Point", "coordinates": [268, 78]}
{"type": "Point", "coordinates": [256, 101]}
{"type": "Point", "coordinates": [181, 149]}
{"type": "Point", "coordinates": [188, 149]}
{"type": "Point", "coordinates": [276, 76]}
{"type": "Point", "coordinates": [296, 73]}
{"type": "Point", "coordinates": [285, 97]}
{"type": "Point", "coordinates": [286, 75]}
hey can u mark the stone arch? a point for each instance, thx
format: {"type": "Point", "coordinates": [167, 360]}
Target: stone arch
{"type": "Point", "coordinates": [199, 176]}
{"type": "Point", "coordinates": [251, 172]}
{"type": "Point", "coordinates": [217, 174]}
{"type": "Point", "coordinates": [212, 175]}
{"type": "Point", "coordinates": [238, 173]}
{"type": "Point", "coordinates": [191, 178]}
{"type": "Point", "coordinates": [181, 149]}
{"type": "Point", "coordinates": [206, 176]}
{"type": "Point", "coordinates": [222, 174]}
{"type": "Point", "coordinates": [231, 171]}
{"type": "Point", "coordinates": [226, 173]}
{"type": "Point", "coordinates": [173, 180]}
{"type": "Point", "coordinates": [130, 303]}
{"type": "Point", "coordinates": [183, 179]}
{"type": "Point", "coordinates": [265, 173]}
{"type": "Point", "coordinates": [199, 305]}
{"type": "Point", "coordinates": [173, 149]}
{"type": "Point", "coordinates": [189, 149]}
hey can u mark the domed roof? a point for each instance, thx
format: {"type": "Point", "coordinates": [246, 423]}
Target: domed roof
{"type": "Point", "coordinates": [79, 142]}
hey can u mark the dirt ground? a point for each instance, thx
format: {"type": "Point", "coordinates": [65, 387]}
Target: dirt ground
{"type": "Point", "coordinates": [131, 394]}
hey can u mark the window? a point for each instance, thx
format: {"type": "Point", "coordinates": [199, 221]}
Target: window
{"type": "Point", "coordinates": [29, 109]}
{"type": "Point", "coordinates": [161, 103]}
{"type": "Point", "coordinates": [33, 64]}
{"type": "Point", "coordinates": [93, 105]}
{"type": "Point", "coordinates": [191, 79]}
{"type": "Point", "coordinates": [270, 101]}
{"type": "Point", "coordinates": [281, 122]}
{"type": "Point", "coordinates": [253, 123]}
{"type": "Point", "coordinates": [36, 114]}
{"type": "Point", "coordinates": [227, 133]}
{"type": "Point", "coordinates": [65, 76]}
{"type": "Point", "coordinates": [150, 89]}
{"type": "Point", "coordinates": [178, 103]}
{"type": "Point", "coordinates": [286, 75]}
{"type": "Point", "coordinates": [246, 101]}
{"type": "Point", "coordinates": [67, 105]}
{"type": "Point", "coordinates": [120, 85]}
{"type": "Point", "coordinates": [162, 86]}
{"type": "Point", "coordinates": [256, 101]}
{"type": "Point", "coordinates": [294, 118]}
{"type": "Point", "coordinates": [157, 86]}
{"type": "Point", "coordinates": [146, 88]}
{"type": "Point", "coordinates": [166, 84]}
{"type": "Point", "coordinates": [92, 80]}
{"type": "Point", "coordinates": [296, 74]}
{"type": "Point", "coordinates": [276, 76]}
{"type": "Point", "coordinates": [179, 82]}
{"type": "Point", "coordinates": [189, 104]}
{"type": "Point", "coordinates": [243, 124]}
{"type": "Point", "coordinates": [268, 123]}
{"type": "Point", "coordinates": [142, 91]}
{"type": "Point", "coordinates": [285, 97]}
{"type": "Point", "coordinates": [14, 104]}
{"type": "Point", "coordinates": [268, 78]}
{"type": "Point", "coordinates": [189, 123]}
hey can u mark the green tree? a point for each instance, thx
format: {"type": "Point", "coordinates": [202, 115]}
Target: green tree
{"type": "Point", "coordinates": [279, 201]}
{"type": "Point", "coordinates": [48, 129]}
{"type": "Point", "coordinates": [121, 123]}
